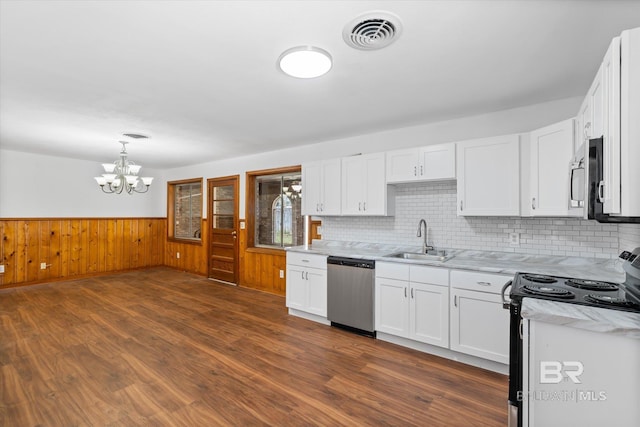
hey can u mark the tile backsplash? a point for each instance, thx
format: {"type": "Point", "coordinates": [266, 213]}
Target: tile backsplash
{"type": "Point", "coordinates": [436, 203]}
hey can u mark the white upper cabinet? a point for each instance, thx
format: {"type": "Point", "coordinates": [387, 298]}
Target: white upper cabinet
{"type": "Point", "coordinates": [321, 187]}
{"type": "Point", "coordinates": [551, 150]}
{"type": "Point", "coordinates": [488, 172]}
{"type": "Point", "coordinates": [364, 186]}
{"type": "Point", "coordinates": [610, 83]}
{"type": "Point", "coordinates": [612, 106]}
{"type": "Point", "coordinates": [430, 163]}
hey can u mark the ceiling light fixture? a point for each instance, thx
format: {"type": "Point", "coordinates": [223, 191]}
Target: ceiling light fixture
{"type": "Point", "coordinates": [305, 62]}
{"type": "Point", "coordinates": [122, 175]}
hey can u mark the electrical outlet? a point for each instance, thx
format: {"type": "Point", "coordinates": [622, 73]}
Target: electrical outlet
{"type": "Point", "coordinates": [178, 255]}
{"type": "Point", "coordinates": [43, 266]}
{"type": "Point", "coordinates": [1, 268]}
{"type": "Point", "coordinates": [514, 239]}
{"type": "Point", "coordinates": [282, 274]}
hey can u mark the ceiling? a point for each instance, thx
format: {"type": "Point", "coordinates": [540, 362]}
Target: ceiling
{"type": "Point", "coordinates": [200, 77]}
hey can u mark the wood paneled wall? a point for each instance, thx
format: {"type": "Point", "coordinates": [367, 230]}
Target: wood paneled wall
{"type": "Point", "coordinates": [260, 269]}
{"type": "Point", "coordinates": [75, 247]}
{"type": "Point", "coordinates": [193, 256]}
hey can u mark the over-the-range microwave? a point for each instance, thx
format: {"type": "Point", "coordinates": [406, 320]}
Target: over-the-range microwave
{"type": "Point", "coordinates": [595, 182]}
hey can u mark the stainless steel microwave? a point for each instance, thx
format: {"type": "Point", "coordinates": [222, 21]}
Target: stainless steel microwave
{"type": "Point", "coordinates": [595, 202]}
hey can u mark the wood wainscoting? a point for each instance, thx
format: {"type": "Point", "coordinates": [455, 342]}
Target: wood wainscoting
{"type": "Point", "coordinates": [193, 256]}
{"type": "Point", "coordinates": [260, 268]}
{"type": "Point", "coordinates": [77, 247]}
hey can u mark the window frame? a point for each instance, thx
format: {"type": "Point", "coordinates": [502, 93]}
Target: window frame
{"type": "Point", "coordinates": [250, 206]}
{"type": "Point", "coordinates": [171, 193]}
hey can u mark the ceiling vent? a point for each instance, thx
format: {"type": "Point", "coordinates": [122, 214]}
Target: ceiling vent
{"type": "Point", "coordinates": [135, 135]}
{"type": "Point", "coordinates": [372, 30]}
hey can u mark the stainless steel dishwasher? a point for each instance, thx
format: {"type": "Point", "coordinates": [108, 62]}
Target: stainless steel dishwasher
{"type": "Point", "coordinates": [350, 294]}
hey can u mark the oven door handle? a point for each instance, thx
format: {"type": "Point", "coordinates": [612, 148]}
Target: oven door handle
{"type": "Point", "coordinates": [506, 304]}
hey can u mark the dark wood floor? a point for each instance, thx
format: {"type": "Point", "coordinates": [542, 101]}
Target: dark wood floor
{"type": "Point", "coordinates": [162, 348]}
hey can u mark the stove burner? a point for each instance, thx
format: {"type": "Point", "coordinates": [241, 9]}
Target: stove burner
{"type": "Point", "coordinates": [549, 291]}
{"type": "Point", "coordinates": [592, 285]}
{"type": "Point", "coordinates": [539, 278]}
{"type": "Point", "coordinates": [609, 300]}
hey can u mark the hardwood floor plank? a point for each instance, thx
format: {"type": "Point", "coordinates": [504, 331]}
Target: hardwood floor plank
{"type": "Point", "coordinates": [159, 347]}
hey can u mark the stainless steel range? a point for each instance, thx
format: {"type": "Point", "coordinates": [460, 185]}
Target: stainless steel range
{"type": "Point", "coordinates": [549, 344]}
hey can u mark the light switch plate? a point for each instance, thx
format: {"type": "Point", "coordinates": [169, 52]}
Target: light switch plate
{"type": "Point", "coordinates": [282, 274]}
{"type": "Point", "coordinates": [1, 268]}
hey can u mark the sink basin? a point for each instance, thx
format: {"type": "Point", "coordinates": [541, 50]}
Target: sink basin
{"type": "Point", "coordinates": [433, 256]}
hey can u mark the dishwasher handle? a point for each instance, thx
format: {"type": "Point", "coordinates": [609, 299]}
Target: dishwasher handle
{"type": "Point", "coordinates": [351, 262]}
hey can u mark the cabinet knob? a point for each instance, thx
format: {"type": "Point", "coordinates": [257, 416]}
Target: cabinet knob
{"type": "Point", "coordinates": [364, 206]}
{"type": "Point", "coordinates": [411, 293]}
{"type": "Point", "coordinates": [533, 203]}
{"type": "Point", "coordinates": [359, 206]}
{"type": "Point", "coordinates": [460, 204]}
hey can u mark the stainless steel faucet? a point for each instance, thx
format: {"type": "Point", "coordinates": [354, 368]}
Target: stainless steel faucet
{"type": "Point", "coordinates": [425, 246]}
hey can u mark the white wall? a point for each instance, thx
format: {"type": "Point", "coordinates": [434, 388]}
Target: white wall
{"type": "Point", "coordinates": [37, 186]}
{"type": "Point", "coordinates": [504, 122]}
{"type": "Point", "coordinates": [33, 185]}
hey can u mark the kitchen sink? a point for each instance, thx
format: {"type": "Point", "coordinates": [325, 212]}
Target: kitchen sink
{"type": "Point", "coordinates": [430, 256]}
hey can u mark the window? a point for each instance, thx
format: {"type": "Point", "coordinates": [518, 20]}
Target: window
{"type": "Point", "coordinates": [184, 209]}
{"type": "Point", "coordinates": [274, 205]}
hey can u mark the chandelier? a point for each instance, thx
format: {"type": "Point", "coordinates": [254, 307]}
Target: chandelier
{"type": "Point", "coordinates": [122, 175]}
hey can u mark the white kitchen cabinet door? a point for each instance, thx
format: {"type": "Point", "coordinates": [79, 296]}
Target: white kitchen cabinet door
{"type": "Point", "coordinates": [307, 283]}
{"type": "Point", "coordinates": [392, 311]}
{"type": "Point", "coordinates": [296, 288]}
{"type": "Point", "coordinates": [429, 314]}
{"type": "Point", "coordinates": [312, 190]}
{"type": "Point", "coordinates": [610, 78]}
{"type": "Point", "coordinates": [489, 176]}
{"type": "Point", "coordinates": [437, 162]}
{"type": "Point", "coordinates": [551, 149]}
{"type": "Point", "coordinates": [321, 187]}
{"type": "Point", "coordinates": [402, 166]}
{"type": "Point", "coordinates": [479, 325]}
{"type": "Point", "coordinates": [331, 187]}
{"type": "Point", "coordinates": [353, 185]}
{"type": "Point", "coordinates": [364, 185]}
{"type": "Point", "coordinates": [316, 302]}
{"type": "Point", "coordinates": [375, 200]}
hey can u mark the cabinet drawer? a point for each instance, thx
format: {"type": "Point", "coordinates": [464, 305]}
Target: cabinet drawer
{"type": "Point", "coordinates": [430, 275]}
{"type": "Point", "coordinates": [307, 260]}
{"type": "Point", "coordinates": [478, 281]}
{"type": "Point", "coordinates": [392, 270]}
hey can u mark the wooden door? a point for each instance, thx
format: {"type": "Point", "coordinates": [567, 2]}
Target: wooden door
{"type": "Point", "coordinates": [223, 230]}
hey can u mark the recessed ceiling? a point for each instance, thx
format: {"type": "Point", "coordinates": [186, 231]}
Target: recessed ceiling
{"type": "Point", "coordinates": [200, 76]}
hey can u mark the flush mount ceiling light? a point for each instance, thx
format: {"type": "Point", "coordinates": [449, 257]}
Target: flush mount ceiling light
{"type": "Point", "coordinates": [122, 175]}
{"type": "Point", "coordinates": [305, 62]}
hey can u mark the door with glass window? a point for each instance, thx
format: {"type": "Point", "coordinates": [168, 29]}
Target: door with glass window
{"type": "Point", "coordinates": [223, 228]}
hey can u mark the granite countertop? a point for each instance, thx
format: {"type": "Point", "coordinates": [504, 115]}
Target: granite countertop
{"type": "Point", "coordinates": [595, 319]}
{"type": "Point", "coordinates": [495, 262]}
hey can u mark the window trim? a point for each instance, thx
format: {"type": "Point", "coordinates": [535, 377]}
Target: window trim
{"type": "Point", "coordinates": [250, 206]}
{"type": "Point", "coordinates": [171, 191]}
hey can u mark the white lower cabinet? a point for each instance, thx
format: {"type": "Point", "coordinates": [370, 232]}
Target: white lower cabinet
{"type": "Point", "coordinates": [479, 325]}
{"type": "Point", "coordinates": [409, 307]}
{"type": "Point", "coordinates": [307, 283]}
